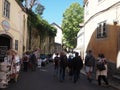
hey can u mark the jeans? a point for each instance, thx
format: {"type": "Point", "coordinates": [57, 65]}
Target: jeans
{"type": "Point", "coordinates": [62, 74]}
{"type": "Point", "coordinates": [76, 75]}
{"type": "Point", "coordinates": [56, 71]}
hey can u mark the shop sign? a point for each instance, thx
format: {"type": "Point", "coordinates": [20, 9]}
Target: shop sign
{"type": "Point", "coordinates": [5, 25]}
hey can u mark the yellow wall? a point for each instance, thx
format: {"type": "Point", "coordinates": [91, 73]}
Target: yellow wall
{"type": "Point", "coordinates": [108, 46]}
{"type": "Point", "coordinates": [18, 29]}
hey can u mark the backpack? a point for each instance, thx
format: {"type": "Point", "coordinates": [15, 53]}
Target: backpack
{"type": "Point", "coordinates": [101, 66]}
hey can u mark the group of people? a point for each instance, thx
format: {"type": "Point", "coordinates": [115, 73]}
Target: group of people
{"type": "Point", "coordinates": [75, 64]}
{"type": "Point", "coordinates": [30, 60]}
{"type": "Point", "coordinates": [61, 62]}
{"type": "Point", "coordinates": [99, 65]}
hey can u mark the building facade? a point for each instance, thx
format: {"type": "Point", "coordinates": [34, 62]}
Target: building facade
{"type": "Point", "coordinates": [58, 38]}
{"type": "Point", "coordinates": [13, 27]}
{"type": "Point", "coordinates": [80, 43]}
{"type": "Point", "coordinates": [102, 28]}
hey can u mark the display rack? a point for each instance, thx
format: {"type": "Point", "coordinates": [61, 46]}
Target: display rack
{"type": "Point", "coordinates": [8, 68]}
{"type": "Point", "coordinates": [4, 74]}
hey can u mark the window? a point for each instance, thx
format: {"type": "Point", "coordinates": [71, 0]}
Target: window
{"type": "Point", "coordinates": [16, 44]}
{"type": "Point", "coordinates": [6, 9]}
{"type": "Point", "coordinates": [101, 30]}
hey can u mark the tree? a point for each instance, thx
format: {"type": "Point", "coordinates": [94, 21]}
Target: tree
{"type": "Point", "coordinates": [34, 17]}
{"type": "Point", "coordinates": [39, 9]}
{"type": "Point", "coordinates": [29, 4]}
{"type": "Point", "coordinates": [72, 17]}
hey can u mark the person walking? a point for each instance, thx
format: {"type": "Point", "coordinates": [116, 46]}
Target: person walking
{"type": "Point", "coordinates": [25, 61]}
{"type": "Point", "coordinates": [89, 64]}
{"type": "Point", "coordinates": [63, 65]}
{"type": "Point", "coordinates": [33, 61]}
{"type": "Point", "coordinates": [77, 66]}
{"type": "Point", "coordinates": [70, 67]}
{"type": "Point", "coordinates": [56, 64]}
{"type": "Point", "coordinates": [102, 69]}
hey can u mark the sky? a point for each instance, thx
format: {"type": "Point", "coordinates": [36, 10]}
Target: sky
{"type": "Point", "coordinates": [54, 9]}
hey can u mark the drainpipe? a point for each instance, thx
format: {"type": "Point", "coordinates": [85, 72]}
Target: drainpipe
{"type": "Point", "coordinates": [29, 39]}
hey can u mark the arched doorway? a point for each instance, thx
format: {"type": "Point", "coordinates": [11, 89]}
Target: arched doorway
{"type": "Point", "coordinates": [5, 44]}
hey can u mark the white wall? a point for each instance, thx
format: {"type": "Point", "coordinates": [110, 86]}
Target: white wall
{"type": "Point", "coordinates": [58, 37]}
{"type": "Point", "coordinates": [95, 16]}
{"type": "Point", "coordinates": [80, 38]}
{"type": "Point", "coordinates": [94, 7]}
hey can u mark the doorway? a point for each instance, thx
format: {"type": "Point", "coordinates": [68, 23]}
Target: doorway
{"type": "Point", "coordinates": [5, 44]}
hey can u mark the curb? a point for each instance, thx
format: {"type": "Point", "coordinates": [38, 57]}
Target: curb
{"type": "Point", "coordinates": [114, 85]}
{"type": "Point", "coordinates": [111, 84]}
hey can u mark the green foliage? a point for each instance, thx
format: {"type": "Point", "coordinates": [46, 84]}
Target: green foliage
{"type": "Point", "coordinates": [72, 17]}
{"type": "Point", "coordinates": [36, 21]}
{"type": "Point", "coordinates": [40, 24]}
{"type": "Point", "coordinates": [52, 31]}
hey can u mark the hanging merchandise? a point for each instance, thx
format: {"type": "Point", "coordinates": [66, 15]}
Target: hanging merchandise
{"type": "Point", "coordinates": [9, 68]}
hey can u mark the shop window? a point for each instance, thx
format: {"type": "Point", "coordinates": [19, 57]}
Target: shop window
{"type": "Point", "coordinates": [102, 30]}
{"type": "Point", "coordinates": [6, 9]}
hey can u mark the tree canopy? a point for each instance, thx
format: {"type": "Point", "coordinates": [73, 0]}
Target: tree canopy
{"type": "Point", "coordinates": [72, 17]}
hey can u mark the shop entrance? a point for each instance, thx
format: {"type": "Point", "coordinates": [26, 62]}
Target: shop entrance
{"type": "Point", "coordinates": [5, 44]}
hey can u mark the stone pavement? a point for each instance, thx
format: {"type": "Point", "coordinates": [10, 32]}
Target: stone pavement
{"type": "Point", "coordinates": [115, 82]}
{"type": "Point", "coordinates": [112, 82]}
{"type": "Point", "coordinates": [43, 79]}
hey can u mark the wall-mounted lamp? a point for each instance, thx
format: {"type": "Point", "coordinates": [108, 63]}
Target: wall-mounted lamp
{"type": "Point", "coordinates": [115, 21]}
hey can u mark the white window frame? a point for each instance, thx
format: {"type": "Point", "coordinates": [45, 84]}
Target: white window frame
{"type": "Point", "coordinates": [6, 9]}
{"type": "Point", "coordinates": [102, 30]}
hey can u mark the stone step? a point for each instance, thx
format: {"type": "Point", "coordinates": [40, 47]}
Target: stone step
{"type": "Point", "coordinates": [116, 78]}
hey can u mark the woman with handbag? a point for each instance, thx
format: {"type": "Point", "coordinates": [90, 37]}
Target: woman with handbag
{"type": "Point", "coordinates": [102, 72]}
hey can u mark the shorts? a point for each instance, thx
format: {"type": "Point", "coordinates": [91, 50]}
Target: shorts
{"type": "Point", "coordinates": [88, 69]}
